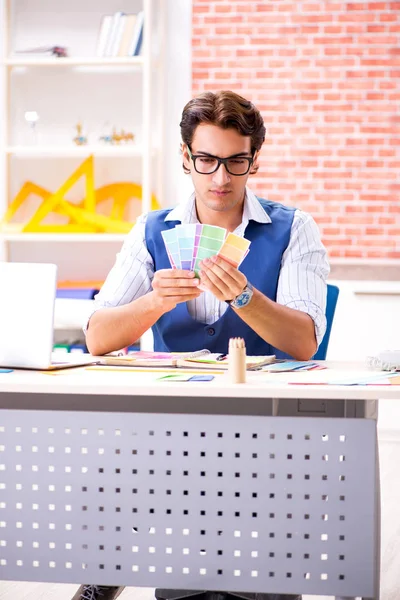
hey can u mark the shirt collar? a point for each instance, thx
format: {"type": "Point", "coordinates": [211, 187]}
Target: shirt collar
{"type": "Point", "coordinates": [185, 212]}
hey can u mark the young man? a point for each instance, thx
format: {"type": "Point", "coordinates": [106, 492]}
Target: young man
{"type": "Point", "coordinates": [275, 301]}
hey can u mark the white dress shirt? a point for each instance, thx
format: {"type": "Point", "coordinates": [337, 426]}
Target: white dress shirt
{"type": "Point", "coordinates": [301, 283]}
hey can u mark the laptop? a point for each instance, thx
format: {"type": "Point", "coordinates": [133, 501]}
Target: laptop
{"type": "Point", "coordinates": [27, 300]}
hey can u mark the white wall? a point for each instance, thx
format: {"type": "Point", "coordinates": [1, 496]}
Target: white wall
{"type": "Point", "coordinates": [178, 83]}
{"type": "Point", "coordinates": [367, 319]}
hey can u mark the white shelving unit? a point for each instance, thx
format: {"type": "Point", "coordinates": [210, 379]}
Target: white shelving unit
{"type": "Point", "coordinates": [124, 92]}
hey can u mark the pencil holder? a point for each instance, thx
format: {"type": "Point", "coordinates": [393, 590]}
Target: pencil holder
{"type": "Point", "coordinates": [237, 360]}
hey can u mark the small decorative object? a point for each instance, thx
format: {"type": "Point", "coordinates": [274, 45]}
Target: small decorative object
{"type": "Point", "coordinates": [79, 139]}
{"type": "Point", "coordinates": [237, 360]}
{"type": "Point", "coordinates": [58, 51]}
{"type": "Point", "coordinates": [32, 118]}
{"type": "Point", "coordinates": [123, 137]}
{"type": "Point", "coordinates": [118, 138]}
{"type": "Point", "coordinates": [106, 139]}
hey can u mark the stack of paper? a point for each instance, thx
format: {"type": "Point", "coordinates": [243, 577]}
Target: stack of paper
{"type": "Point", "coordinates": [202, 359]}
{"type": "Point", "coordinates": [188, 245]}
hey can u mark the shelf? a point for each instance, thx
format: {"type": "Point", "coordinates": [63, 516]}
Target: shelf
{"type": "Point", "coordinates": [129, 61]}
{"type": "Point", "coordinates": [128, 150]}
{"type": "Point", "coordinates": [62, 237]}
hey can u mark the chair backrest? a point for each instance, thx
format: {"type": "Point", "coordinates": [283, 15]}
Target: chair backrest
{"type": "Point", "coordinates": [331, 301]}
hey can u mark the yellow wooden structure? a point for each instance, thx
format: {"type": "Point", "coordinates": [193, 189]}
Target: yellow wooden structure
{"type": "Point", "coordinates": [82, 217]}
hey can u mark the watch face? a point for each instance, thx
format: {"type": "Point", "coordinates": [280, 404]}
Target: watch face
{"type": "Point", "coordinates": [243, 299]}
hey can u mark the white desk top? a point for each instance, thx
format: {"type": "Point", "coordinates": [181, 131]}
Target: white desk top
{"type": "Point", "coordinates": [129, 381]}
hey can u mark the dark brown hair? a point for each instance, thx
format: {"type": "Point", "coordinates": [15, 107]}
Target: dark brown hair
{"type": "Point", "coordinates": [227, 110]}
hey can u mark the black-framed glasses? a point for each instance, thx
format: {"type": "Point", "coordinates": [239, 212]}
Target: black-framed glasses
{"type": "Point", "coordinates": [205, 164]}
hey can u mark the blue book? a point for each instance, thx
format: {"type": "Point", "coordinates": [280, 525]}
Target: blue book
{"type": "Point", "coordinates": [77, 293]}
{"type": "Point", "coordinates": [137, 37]}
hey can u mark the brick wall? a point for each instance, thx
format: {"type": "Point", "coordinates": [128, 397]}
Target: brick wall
{"type": "Point", "coordinates": [325, 75]}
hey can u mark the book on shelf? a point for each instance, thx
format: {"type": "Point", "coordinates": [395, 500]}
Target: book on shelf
{"type": "Point", "coordinates": [137, 36]}
{"type": "Point", "coordinates": [80, 290]}
{"type": "Point", "coordinates": [112, 40]}
{"type": "Point", "coordinates": [120, 35]}
{"type": "Point", "coordinates": [104, 34]}
{"type": "Point", "coordinates": [127, 35]}
{"type": "Point", "coordinates": [202, 359]}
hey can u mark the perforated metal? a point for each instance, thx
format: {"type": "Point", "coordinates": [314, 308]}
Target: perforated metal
{"type": "Point", "coordinates": [262, 504]}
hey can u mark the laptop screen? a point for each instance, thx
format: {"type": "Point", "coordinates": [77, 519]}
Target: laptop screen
{"type": "Point", "coordinates": [27, 299]}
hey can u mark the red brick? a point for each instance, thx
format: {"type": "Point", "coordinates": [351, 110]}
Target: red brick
{"type": "Point", "coordinates": [353, 231]}
{"type": "Point", "coordinates": [349, 253]}
{"type": "Point", "coordinates": [387, 152]}
{"type": "Point", "coordinates": [199, 9]}
{"type": "Point", "coordinates": [357, 17]}
{"type": "Point", "coordinates": [377, 6]}
{"type": "Point", "coordinates": [333, 29]}
{"type": "Point", "coordinates": [223, 8]}
{"type": "Point", "coordinates": [330, 231]}
{"type": "Point", "coordinates": [331, 164]}
{"type": "Point", "coordinates": [388, 17]}
{"type": "Point", "coordinates": [320, 18]}
{"type": "Point", "coordinates": [350, 208]}
{"type": "Point", "coordinates": [374, 230]}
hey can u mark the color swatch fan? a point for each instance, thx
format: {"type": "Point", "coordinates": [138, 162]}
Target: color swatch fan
{"type": "Point", "coordinates": [188, 245]}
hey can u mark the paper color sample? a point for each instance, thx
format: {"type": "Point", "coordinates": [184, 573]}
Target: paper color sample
{"type": "Point", "coordinates": [211, 240]}
{"type": "Point", "coordinates": [199, 229]}
{"type": "Point", "coordinates": [186, 241]}
{"type": "Point", "coordinates": [171, 244]}
{"type": "Point", "coordinates": [234, 249]}
{"type": "Point", "coordinates": [188, 377]}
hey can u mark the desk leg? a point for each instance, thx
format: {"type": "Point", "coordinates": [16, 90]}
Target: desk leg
{"type": "Point", "coordinates": [368, 409]}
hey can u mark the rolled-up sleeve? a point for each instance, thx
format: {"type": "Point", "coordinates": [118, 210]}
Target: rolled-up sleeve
{"type": "Point", "coordinates": [131, 275]}
{"type": "Point", "coordinates": [304, 271]}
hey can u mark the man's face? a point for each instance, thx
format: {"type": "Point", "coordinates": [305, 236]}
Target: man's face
{"type": "Point", "coordinates": [218, 191]}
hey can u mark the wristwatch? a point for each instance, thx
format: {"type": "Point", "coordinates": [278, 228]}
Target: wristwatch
{"type": "Point", "coordinates": [243, 298]}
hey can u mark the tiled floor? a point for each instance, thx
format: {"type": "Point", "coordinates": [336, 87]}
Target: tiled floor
{"type": "Point", "coordinates": [10, 590]}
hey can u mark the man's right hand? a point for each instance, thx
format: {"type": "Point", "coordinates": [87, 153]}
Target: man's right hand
{"type": "Point", "coordinates": [172, 286]}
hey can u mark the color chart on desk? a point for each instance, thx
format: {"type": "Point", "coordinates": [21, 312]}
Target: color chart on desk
{"type": "Point", "coordinates": [188, 245]}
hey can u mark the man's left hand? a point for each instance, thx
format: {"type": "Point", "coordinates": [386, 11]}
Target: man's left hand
{"type": "Point", "coordinates": [221, 278]}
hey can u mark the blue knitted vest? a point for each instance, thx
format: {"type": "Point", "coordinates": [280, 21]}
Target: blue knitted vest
{"type": "Point", "coordinates": [177, 331]}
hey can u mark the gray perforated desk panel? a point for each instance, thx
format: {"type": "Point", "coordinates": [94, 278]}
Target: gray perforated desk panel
{"type": "Point", "coordinates": [187, 492]}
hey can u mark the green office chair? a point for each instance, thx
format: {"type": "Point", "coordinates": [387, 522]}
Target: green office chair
{"type": "Point", "coordinates": [331, 301]}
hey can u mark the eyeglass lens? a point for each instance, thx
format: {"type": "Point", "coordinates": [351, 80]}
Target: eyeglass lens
{"type": "Point", "coordinates": [234, 166]}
